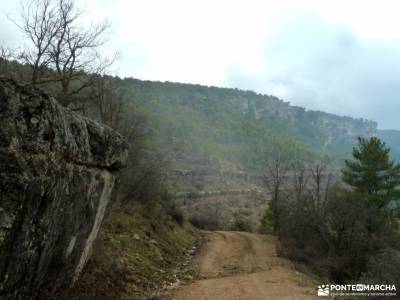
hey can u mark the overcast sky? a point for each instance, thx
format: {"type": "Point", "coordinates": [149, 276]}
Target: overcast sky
{"type": "Point", "coordinates": [337, 56]}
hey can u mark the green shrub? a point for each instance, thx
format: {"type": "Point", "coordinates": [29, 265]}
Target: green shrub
{"type": "Point", "coordinates": [266, 225]}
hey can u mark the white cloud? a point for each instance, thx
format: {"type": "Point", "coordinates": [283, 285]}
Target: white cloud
{"type": "Point", "coordinates": [339, 56]}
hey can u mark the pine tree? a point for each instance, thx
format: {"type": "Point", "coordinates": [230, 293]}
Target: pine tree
{"type": "Point", "coordinates": [373, 175]}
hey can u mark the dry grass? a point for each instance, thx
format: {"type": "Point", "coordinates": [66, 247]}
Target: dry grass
{"type": "Point", "coordinates": [137, 255]}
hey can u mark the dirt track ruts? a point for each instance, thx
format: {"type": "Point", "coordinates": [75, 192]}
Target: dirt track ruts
{"type": "Point", "coordinates": [244, 266]}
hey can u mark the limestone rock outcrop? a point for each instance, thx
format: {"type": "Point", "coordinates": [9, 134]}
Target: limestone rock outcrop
{"type": "Point", "coordinates": [57, 174]}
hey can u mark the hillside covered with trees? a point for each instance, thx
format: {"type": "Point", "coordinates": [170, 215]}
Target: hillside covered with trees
{"type": "Point", "coordinates": [216, 125]}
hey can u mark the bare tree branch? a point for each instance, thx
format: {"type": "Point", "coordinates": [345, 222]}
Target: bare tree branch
{"type": "Point", "coordinates": [276, 173]}
{"type": "Point", "coordinates": [62, 49]}
{"type": "Point", "coordinates": [39, 23]}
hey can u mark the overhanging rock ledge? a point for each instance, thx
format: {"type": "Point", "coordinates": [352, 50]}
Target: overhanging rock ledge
{"type": "Point", "coordinates": [57, 174]}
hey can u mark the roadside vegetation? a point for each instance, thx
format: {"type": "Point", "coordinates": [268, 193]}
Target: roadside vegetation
{"type": "Point", "coordinates": [344, 226]}
{"type": "Point", "coordinates": [139, 254]}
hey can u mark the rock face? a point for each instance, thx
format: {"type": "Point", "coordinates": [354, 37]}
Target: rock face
{"type": "Point", "coordinates": [328, 128]}
{"type": "Point", "coordinates": [57, 173]}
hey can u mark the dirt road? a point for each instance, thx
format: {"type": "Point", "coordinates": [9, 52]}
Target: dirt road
{"type": "Point", "coordinates": [244, 266]}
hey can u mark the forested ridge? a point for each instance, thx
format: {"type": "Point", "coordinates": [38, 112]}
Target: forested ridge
{"type": "Point", "coordinates": [207, 125]}
{"type": "Point", "coordinates": [211, 124]}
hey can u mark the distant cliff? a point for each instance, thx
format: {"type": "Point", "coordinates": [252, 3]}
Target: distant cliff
{"type": "Point", "coordinates": [57, 174]}
{"type": "Point", "coordinates": [202, 123]}
{"type": "Point", "coordinates": [316, 127]}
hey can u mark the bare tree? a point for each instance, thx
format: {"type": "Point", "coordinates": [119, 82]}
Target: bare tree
{"type": "Point", "coordinates": [62, 49]}
{"type": "Point", "coordinates": [39, 22]}
{"type": "Point", "coordinates": [133, 127]}
{"type": "Point", "coordinates": [299, 179]}
{"type": "Point", "coordinates": [5, 57]}
{"type": "Point", "coordinates": [109, 101]}
{"type": "Point", "coordinates": [321, 182]}
{"type": "Point", "coordinates": [5, 54]}
{"type": "Point", "coordinates": [276, 172]}
{"type": "Point", "coordinates": [73, 51]}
